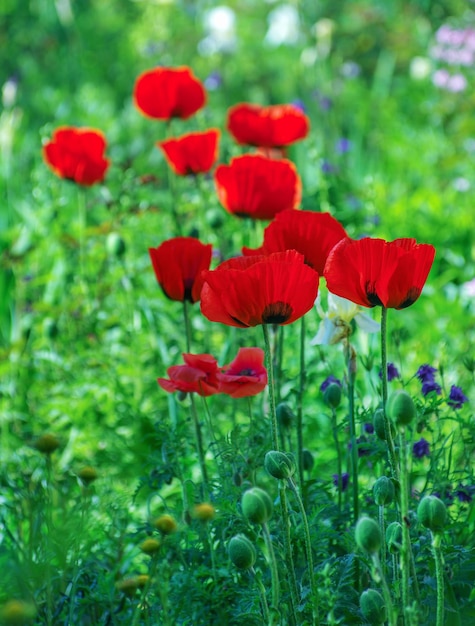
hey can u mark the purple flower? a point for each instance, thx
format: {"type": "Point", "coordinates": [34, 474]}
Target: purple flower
{"type": "Point", "coordinates": [426, 373]}
{"type": "Point", "coordinates": [368, 428]}
{"type": "Point", "coordinates": [456, 397]}
{"type": "Point", "coordinates": [464, 493]}
{"type": "Point", "coordinates": [392, 372]}
{"type": "Point", "coordinates": [344, 480]}
{"type": "Point", "coordinates": [299, 104]}
{"type": "Point", "coordinates": [343, 145]}
{"type": "Point", "coordinates": [364, 449]}
{"type": "Point", "coordinates": [328, 168]}
{"type": "Point", "coordinates": [328, 381]}
{"type": "Point", "coordinates": [429, 386]}
{"type": "Point", "coordinates": [213, 81]}
{"type": "Point", "coordinates": [421, 448]}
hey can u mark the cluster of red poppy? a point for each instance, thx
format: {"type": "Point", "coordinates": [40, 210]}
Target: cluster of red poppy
{"type": "Point", "coordinates": [245, 376]}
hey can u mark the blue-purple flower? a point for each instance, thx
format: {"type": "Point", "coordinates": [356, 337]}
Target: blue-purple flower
{"type": "Point", "coordinates": [328, 381]}
{"type": "Point", "coordinates": [392, 372]}
{"type": "Point", "coordinates": [345, 477]}
{"type": "Point", "coordinates": [457, 398]}
{"type": "Point", "coordinates": [426, 373]}
{"type": "Point", "coordinates": [431, 385]}
{"type": "Point", "coordinates": [421, 448]}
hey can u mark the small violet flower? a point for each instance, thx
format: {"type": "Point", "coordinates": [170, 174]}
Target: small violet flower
{"type": "Point", "coordinates": [420, 449]}
{"type": "Point", "coordinates": [344, 480]}
{"type": "Point", "coordinates": [429, 386]}
{"type": "Point", "coordinates": [426, 373]}
{"type": "Point", "coordinates": [392, 372]}
{"type": "Point", "coordinates": [456, 397]}
{"type": "Point", "coordinates": [328, 381]}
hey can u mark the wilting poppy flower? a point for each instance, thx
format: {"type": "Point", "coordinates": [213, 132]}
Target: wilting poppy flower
{"type": "Point", "coordinates": [257, 187]}
{"type": "Point", "coordinates": [248, 291]}
{"type": "Point", "coordinates": [77, 154]}
{"type": "Point", "coordinates": [164, 93]}
{"type": "Point", "coordinates": [194, 153]}
{"type": "Point", "coordinates": [373, 272]}
{"type": "Point", "coordinates": [310, 233]}
{"type": "Point", "coordinates": [178, 264]}
{"type": "Point", "coordinates": [272, 126]}
{"type": "Point", "coordinates": [198, 375]}
{"type": "Point", "coordinates": [245, 376]}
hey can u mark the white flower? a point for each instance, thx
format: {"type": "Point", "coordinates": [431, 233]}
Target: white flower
{"type": "Point", "coordinates": [284, 26]}
{"type": "Point", "coordinates": [335, 324]}
{"type": "Point", "coordinates": [220, 25]}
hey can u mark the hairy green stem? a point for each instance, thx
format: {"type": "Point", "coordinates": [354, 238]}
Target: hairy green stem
{"type": "Point", "coordinates": [351, 367]}
{"type": "Point", "coordinates": [270, 374]}
{"type": "Point", "coordinates": [406, 540]}
{"type": "Point", "coordinates": [301, 388]}
{"type": "Point", "coordinates": [308, 550]}
{"type": "Point", "coordinates": [274, 572]}
{"type": "Point", "coordinates": [439, 575]}
{"type": "Point", "coordinates": [262, 595]}
{"type": "Point", "coordinates": [392, 617]}
{"type": "Point", "coordinates": [384, 377]}
{"type": "Point", "coordinates": [338, 458]}
{"type": "Point", "coordinates": [288, 551]}
{"type": "Point", "coordinates": [199, 446]}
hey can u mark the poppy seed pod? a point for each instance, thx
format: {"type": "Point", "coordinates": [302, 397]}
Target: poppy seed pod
{"type": "Point", "coordinates": [257, 505]}
{"type": "Point", "coordinates": [307, 460]}
{"type": "Point", "coordinates": [432, 513]}
{"type": "Point", "coordinates": [87, 475]}
{"type": "Point", "coordinates": [378, 423]}
{"type": "Point", "coordinates": [394, 537]}
{"type": "Point", "coordinates": [383, 491]}
{"type": "Point", "coordinates": [332, 395]}
{"type": "Point", "coordinates": [241, 552]}
{"type": "Point", "coordinates": [400, 408]}
{"type": "Point", "coordinates": [285, 415]}
{"type": "Point", "coordinates": [368, 535]}
{"type": "Point", "coordinates": [279, 464]}
{"type": "Point", "coordinates": [373, 607]}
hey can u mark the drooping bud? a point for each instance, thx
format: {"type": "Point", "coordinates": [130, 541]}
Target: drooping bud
{"type": "Point", "coordinates": [47, 443]}
{"type": "Point", "coordinates": [394, 537]}
{"type": "Point", "coordinates": [373, 607]}
{"type": "Point", "coordinates": [87, 475]}
{"type": "Point", "coordinates": [368, 535]}
{"type": "Point", "coordinates": [165, 524]}
{"type": "Point", "coordinates": [383, 491]}
{"type": "Point", "coordinates": [204, 512]}
{"type": "Point", "coordinates": [432, 513]}
{"type": "Point", "coordinates": [285, 415]}
{"type": "Point", "coordinates": [241, 552]}
{"type": "Point", "coordinates": [332, 395]}
{"type": "Point", "coordinates": [257, 505]}
{"type": "Point", "coordinates": [279, 464]}
{"type": "Point", "coordinates": [400, 408]}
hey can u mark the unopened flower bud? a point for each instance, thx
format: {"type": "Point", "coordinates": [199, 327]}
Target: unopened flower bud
{"type": "Point", "coordinates": [307, 460]}
{"type": "Point", "coordinates": [17, 613]}
{"type": "Point", "coordinates": [47, 443]}
{"type": "Point", "coordinates": [285, 415]}
{"type": "Point", "coordinates": [378, 423]}
{"type": "Point", "coordinates": [400, 408]}
{"type": "Point", "coordinates": [166, 524]}
{"type": "Point", "coordinates": [241, 552]}
{"type": "Point", "coordinates": [332, 395]}
{"type": "Point", "coordinates": [87, 475]}
{"type": "Point", "coordinates": [368, 535]}
{"type": "Point", "coordinates": [432, 513]}
{"type": "Point", "coordinates": [257, 505]}
{"type": "Point", "coordinates": [150, 546]}
{"type": "Point", "coordinates": [204, 512]}
{"type": "Point", "coordinates": [128, 586]}
{"type": "Point", "coordinates": [142, 580]}
{"type": "Point", "coordinates": [279, 464]}
{"type": "Point", "coordinates": [383, 491]}
{"type": "Point", "coordinates": [394, 537]}
{"type": "Point", "coordinates": [373, 607]}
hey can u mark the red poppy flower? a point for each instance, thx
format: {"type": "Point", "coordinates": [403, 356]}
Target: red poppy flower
{"type": "Point", "coordinates": [257, 187]}
{"type": "Point", "coordinates": [253, 290]}
{"type": "Point", "coordinates": [194, 153]}
{"type": "Point", "coordinates": [312, 234]}
{"type": "Point", "coordinates": [164, 93]}
{"type": "Point", "coordinates": [373, 272]}
{"type": "Point", "coordinates": [77, 154]}
{"type": "Point", "coordinates": [245, 376]}
{"type": "Point", "coordinates": [198, 375]}
{"type": "Point", "coordinates": [178, 264]}
{"type": "Point", "coordinates": [268, 127]}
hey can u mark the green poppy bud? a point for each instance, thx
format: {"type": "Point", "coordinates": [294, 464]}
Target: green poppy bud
{"type": "Point", "coordinates": [279, 464]}
{"type": "Point", "coordinates": [400, 408]}
{"type": "Point", "coordinates": [332, 395]}
{"type": "Point", "coordinates": [373, 607]}
{"type": "Point", "coordinates": [285, 415]}
{"type": "Point", "coordinates": [432, 513]}
{"type": "Point", "coordinates": [394, 537]}
{"type": "Point", "coordinates": [368, 535]}
{"type": "Point", "coordinates": [115, 245]}
{"type": "Point", "coordinates": [47, 443]}
{"type": "Point", "coordinates": [378, 423]}
{"type": "Point", "coordinates": [307, 460]}
{"type": "Point", "coordinates": [241, 552]}
{"type": "Point", "coordinates": [257, 505]}
{"type": "Point", "coordinates": [383, 491]}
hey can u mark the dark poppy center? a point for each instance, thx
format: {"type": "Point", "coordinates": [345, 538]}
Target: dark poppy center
{"type": "Point", "coordinates": [187, 289]}
{"type": "Point", "coordinates": [411, 297]}
{"type": "Point", "coordinates": [247, 372]}
{"type": "Point", "coordinates": [276, 313]}
{"type": "Point", "coordinates": [371, 294]}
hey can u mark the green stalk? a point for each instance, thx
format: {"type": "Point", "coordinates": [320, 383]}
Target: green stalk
{"type": "Point", "coordinates": [288, 551]}
{"type": "Point", "coordinates": [386, 593]}
{"type": "Point", "coordinates": [384, 377]}
{"type": "Point", "coordinates": [82, 219]}
{"type": "Point", "coordinates": [439, 574]}
{"type": "Point", "coordinates": [383, 534]}
{"type": "Point", "coordinates": [350, 362]}
{"type": "Point", "coordinates": [300, 402]}
{"type": "Point", "coordinates": [274, 572]}
{"type": "Point", "coordinates": [199, 446]}
{"type": "Point", "coordinates": [262, 595]}
{"type": "Point", "coordinates": [308, 550]}
{"type": "Point", "coordinates": [338, 457]}
{"type": "Point", "coordinates": [270, 374]}
{"type": "Point", "coordinates": [406, 540]}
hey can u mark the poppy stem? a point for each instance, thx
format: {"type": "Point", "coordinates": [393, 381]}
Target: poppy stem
{"type": "Point", "coordinates": [199, 446]}
{"type": "Point", "coordinates": [186, 316]}
{"type": "Point", "coordinates": [351, 365]}
{"type": "Point", "coordinates": [406, 539]}
{"type": "Point", "coordinates": [82, 221]}
{"type": "Point", "coordinates": [270, 373]}
{"type": "Point", "coordinates": [384, 378]}
{"type": "Point", "coordinates": [338, 458]}
{"type": "Point", "coordinates": [300, 402]}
